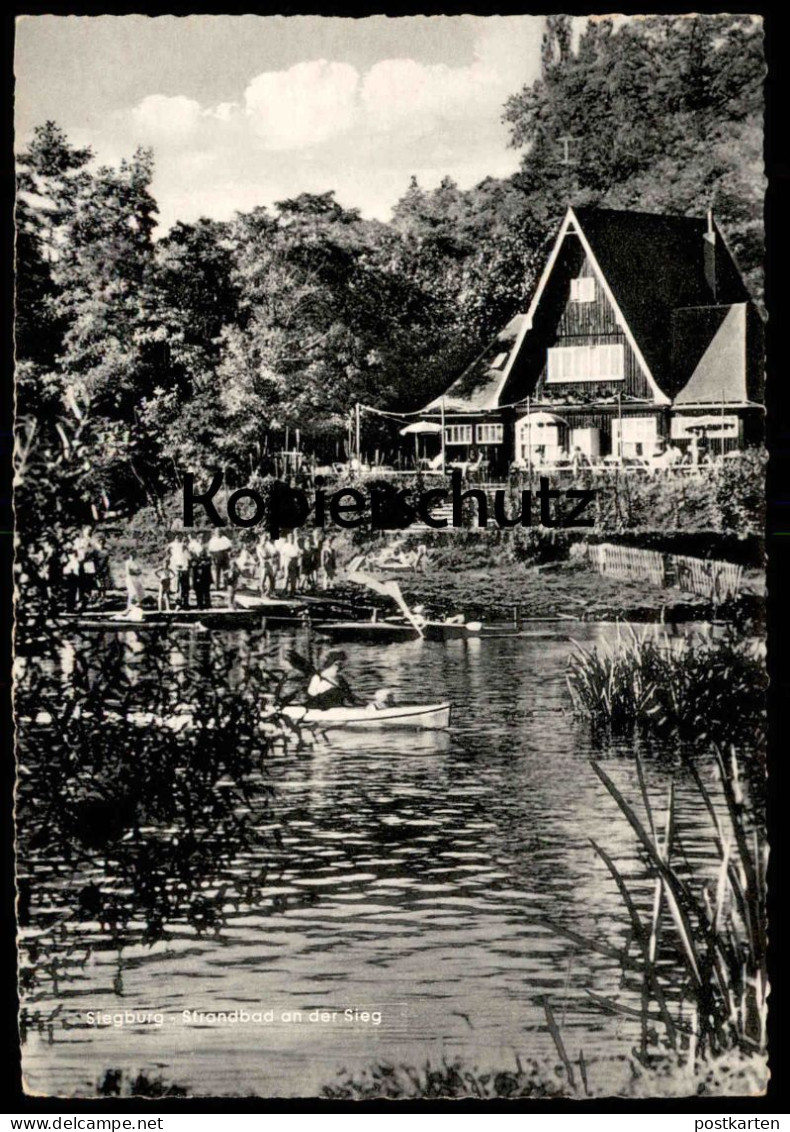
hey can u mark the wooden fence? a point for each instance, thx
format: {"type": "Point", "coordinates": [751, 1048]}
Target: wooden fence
{"type": "Point", "coordinates": [705, 577]}
{"type": "Point", "coordinates": [628, 562]}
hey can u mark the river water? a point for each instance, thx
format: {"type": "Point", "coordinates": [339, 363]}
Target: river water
{"type": "Point", "coordinates": [404, 878]}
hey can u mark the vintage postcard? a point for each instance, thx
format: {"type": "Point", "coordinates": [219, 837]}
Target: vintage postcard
{"type": "Point", "coordinates": [389, 649]}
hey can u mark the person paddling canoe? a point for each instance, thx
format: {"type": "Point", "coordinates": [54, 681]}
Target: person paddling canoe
{"type": "Point", "coordinates": [328, 688]}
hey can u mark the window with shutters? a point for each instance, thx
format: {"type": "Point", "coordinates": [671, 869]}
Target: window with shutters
{"type": "Point", "coordinates": [583, 289]}
{"type": "Point", "coordinates": [489, 433]}
{"type": "Point", "coordinates": [458, 434]}
{"type": "Point", "coordinates": [586, 363]}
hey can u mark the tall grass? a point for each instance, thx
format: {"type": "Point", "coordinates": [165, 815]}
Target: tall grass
{"type": "Point", "coordinates": [446, 1080]}
{"type": "Point", "coordinates": [698, 690]}
{"type": "Point", "coordinates": [697, 954]}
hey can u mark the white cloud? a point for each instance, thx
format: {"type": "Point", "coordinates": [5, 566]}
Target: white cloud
{"type": "Point", "coordinates": [305, 105]}
{"type": "Point", "coordinates": [225, 111]}
{"type": "Point", "coordinates": [159, 118]}
{"type": "Point", "coordinates": [324, 124]}
{"type": "Point", "coordinates": [403, 93]}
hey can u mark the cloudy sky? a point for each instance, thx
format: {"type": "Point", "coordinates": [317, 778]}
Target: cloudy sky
{"type": "Point", "coordinates": [247, 110]}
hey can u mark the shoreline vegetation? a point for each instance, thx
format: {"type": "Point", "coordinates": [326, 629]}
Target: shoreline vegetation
{"type": "Point", "coordinates": [732, 1074]}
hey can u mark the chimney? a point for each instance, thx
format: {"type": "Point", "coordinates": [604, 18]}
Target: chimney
{"type": "Point", "coordinates": [709, 253]}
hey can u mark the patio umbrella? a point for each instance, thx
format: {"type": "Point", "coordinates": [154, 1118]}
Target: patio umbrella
{"type": "Point", "coordinates": [418, 429]}
{"type": "Point", "coordinates": [541, 418]}
{"type": "Point", "coordinates": [421, 428]}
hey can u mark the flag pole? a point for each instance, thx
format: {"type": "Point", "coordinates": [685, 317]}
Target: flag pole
{"type": "Point", "coordinates": [444, 468]}
{"type": "Point", "coordinates": [722, 422]}
{"type": "Point", "coordinates": [529, 439]}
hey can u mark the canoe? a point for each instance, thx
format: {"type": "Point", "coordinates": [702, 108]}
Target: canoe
{"type": "Point", "coordinates": [254, 603]}
{"type": "Point", "coordinates": [450, 630]}
{"type": "Point", "coordinates": [382, 632]}
{"type": "Point", "coordinates": [542, 634]}
{"type": "Point", "coordinates": [426, 717]}
{"type": "Point", "coordinates": [420, 717]}
{"type": "Point", "coordinates": [387, 631]}
{"type": "Point", "coordinates": [114, 625]}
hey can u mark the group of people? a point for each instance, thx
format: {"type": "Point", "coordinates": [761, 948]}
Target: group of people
{"type": "Point", "coordinates": [296, 563]}
{"type": "Point", "coordinates": [199, 563]}
{"type": "Point", "coordinates": [74, 574]}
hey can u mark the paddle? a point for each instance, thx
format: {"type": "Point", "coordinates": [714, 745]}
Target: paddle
{"type": "Point", "coordinates": [301, 663]}
{"type": "Point", "coordinates": [308, 669]}
{"type": "Point", "coordinates": [389, 589]}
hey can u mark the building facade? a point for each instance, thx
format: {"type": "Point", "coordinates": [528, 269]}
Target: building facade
{"type": "Point", "coordinates": [640, 333]}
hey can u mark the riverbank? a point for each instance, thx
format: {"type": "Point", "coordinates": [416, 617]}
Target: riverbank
{"type": "Point", "coordinates": [733, 1075]}
{"type": "Point", "coordinates": [502, 592]}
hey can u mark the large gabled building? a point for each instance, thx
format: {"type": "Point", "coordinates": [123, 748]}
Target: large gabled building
{"type": "Point", "coordinates": [640, 330]}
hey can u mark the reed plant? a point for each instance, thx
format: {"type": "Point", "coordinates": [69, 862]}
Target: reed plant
{"type": "Point", "coordinates": [698, 690]}
{"type": "Point", "coordinates": [696, 950]}
{"type": "Point", "coordinates": [447, 1080]}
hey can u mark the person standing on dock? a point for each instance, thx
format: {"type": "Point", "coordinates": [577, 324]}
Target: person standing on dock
{"type": "Point", "coordinates": [71, 581]}
{"type": "Point", "coordinates": [232, 579]}
{"type": "Point", "coordinates": [219, 548]}
{"type": "Point", "coordinates": [101, 560]}
{"type": "Point", "coordinates": [310, 559]}
{"type": "Point", "coordinates": [135, 593]}
{"type": "Point", "coordinates": [328, 557]}
{"type": "Point", "coordinates": [267, 556]}
{"type": "Point", "coordinates": [165, 576]}
{"type": "Point", "coordinates": [245, 563]}
{"type": "Point", "coordinates": [201, 575]}
{"type": "Point", "coordinates": [179, 567]}
{"type": "Point", "coordinates": [293, 575]}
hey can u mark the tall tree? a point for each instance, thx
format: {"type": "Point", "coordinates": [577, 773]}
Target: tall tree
{"type": "Point", "coordinates": [662, 113]}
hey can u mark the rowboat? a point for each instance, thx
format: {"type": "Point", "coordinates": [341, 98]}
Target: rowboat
{"type": "Point", "coordinates": [425, 717]}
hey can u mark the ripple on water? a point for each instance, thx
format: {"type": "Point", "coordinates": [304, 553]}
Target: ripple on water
{"type": "Point", "coordinates": [397, 879]}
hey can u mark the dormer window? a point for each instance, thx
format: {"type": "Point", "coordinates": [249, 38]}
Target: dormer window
{"type": "Point", "coordinates": [583, 289]}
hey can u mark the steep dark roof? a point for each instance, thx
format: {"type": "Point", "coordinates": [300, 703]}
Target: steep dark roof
{"type": "Point", "coordinates": [477, 387]}
{"type": "Point", "coordinates": [659, 270]}
{"type": "Point", "coordinates": [653, 265]}
{"type": "Point", "coordinates": [720, 376]}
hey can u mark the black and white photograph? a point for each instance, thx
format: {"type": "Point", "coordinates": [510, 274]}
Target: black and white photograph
{"type": "Point", "coordinates": [389, 560]}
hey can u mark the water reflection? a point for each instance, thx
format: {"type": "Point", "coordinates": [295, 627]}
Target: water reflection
{"type": "Point", "coordinates": [409, 870]}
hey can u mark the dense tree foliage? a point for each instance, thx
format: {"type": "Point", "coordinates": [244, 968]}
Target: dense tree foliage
{"type": "Point", "coordinates": [662, 114]}
{"type": "Point", "coordinates": [205, 345]}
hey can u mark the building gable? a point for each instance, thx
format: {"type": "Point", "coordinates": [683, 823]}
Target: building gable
{"type": "Point", "coordinates": [575, 327]}
{"type": "Point", "coordinates": [616, 333]}
{"type": "Point", "coordinates": [655, 265]}
{"type": "Point", "coordinates": [477, 387]}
